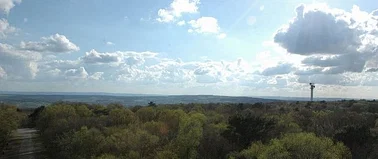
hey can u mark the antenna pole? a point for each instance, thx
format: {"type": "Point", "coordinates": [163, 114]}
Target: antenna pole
{"type": "Point", "coordinates": [312, 86]}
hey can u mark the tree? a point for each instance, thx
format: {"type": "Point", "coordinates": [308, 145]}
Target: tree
{"type": "Point", "coordinates": [115, 106]}
{"type": "Point", "coordinates": [172, 120]}
{"type": "Point", "coordinates": [245, 129]}
{"type": "Point", "coordinates": [298, 145]}
{"type": "Point", "coordinates": [165, 154]}
{"type": "Point", "coordinates": [146, 114]}
{"type": "Point", "coordinates": [151, 104]}
{"type": "Point", "coordinates": [285, 123]}
{"type": "Point", "coordinates": [213, 145]}
{"type": "Point", "coordinates": [81, 144]}
{"type": "Point", "coordinates": [121, 116]}
{"type": "Point", "coordinates": [189, 136]}
{"type": "Point", "coordinates": [52, 114]}
{"type": "Point", "coordinates": [358, 138]}
{"type": "Point", "coordinates": [9, 120]}
{"type": "Point", "coordinates": [33, 117]}
{"type": "Point", "coordinates": [83, 111]}
{"type": "Point", "coordinates": [131, 142]}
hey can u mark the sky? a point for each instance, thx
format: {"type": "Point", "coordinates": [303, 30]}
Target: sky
{"type": "Point", "coordinates": [191, 47]}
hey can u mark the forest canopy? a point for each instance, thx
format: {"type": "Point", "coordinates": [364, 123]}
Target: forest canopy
{"type": "Point", "coordinates": [342, 129]}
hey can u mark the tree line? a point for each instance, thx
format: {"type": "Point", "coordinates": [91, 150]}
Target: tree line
{"type": "Point", "coordinates": [342, 129]}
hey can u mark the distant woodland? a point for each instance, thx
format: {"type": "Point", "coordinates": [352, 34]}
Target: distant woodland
{"type": "Point", "coordinates": [340, 129]}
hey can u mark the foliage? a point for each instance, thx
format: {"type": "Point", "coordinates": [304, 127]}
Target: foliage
{"type": "Point", "coordinates": [10, 119]}
{"type": "Point", "coordinates": [358, 138]}
{"type": "Point", "coordinates": [340, 129]}
{"type": "Point", "coordinates": [298, 145]}
{"type": "Point", "coordinates": [244, 129]}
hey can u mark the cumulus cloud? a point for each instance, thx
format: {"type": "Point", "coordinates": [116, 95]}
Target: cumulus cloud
{"type": "Point", "coordinates": [136, 76]}
{"type": "Point", "coordinates": [209, 74]}
{"type": "Point", "coordinates": [7, 5]}
{"type": "Point", "coordinates": [206, 25]}
{"type": "Point", "coordinates": [319, 30]}
{"type": "Point", "coordinates": [281, 68]}
{"type": "Point", "coordinates": [5, 28]}
{"type": "Point", "coordinates": [332, 79]}
{"type": "Point", "coordinates": [60, 64]}
{"type": "Point", "coordinates": [109, 43]}
{"type": "Point", "coordinates": [309, 71]}
{"type": "Point", "coordinates": [3, 74]}
{"type": "Point", "coordinates": [176, 9]}
{"type": "Point", "coordinates": [333, 41]}
{"type": "Point", "coordinates": [171, 71]}
{"type": "Point", "coordinates": [134, 60]}
{"type": "Point", "coordinates": [116, 58]}
{"type": "Point", "coordinates": [96, 76]}
{"type": "Point", "coordinates": [19, 64]}
{"type": "Point", "coordinates": [337, 64]}
{"type": "Point", "coordinates": [95, 57]}
{"type": "Point", "coordinates": [181, 23]}
{"type": "Point", "coordinates": [53, 44]}
{"type": "Point", "coordinates": [75, 74]}
{"type": "Point", "coordinates": [215, 71]}
{"type": "Point", "coordinates": [175, 71]}
{"type": "Point", "coordinates": [372, 70]}
{"type": "Point", "coordinates": [58, 70]}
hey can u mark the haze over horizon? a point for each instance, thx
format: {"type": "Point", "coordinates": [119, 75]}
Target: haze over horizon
{"type": "Point", "coordinates": [187, 47]}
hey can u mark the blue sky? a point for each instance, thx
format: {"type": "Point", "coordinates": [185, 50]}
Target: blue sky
{"type": "Point", "coordinates": [221, 47]}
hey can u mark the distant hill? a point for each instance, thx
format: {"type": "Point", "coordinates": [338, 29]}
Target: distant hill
{"type": "Point", "coordinates": [73, 93]}
{"type": "Point", "coordinates": [303, 98]}
{"type": "Point", "coordinates": [36, 100]}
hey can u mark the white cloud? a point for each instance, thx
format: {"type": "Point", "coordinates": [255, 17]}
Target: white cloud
{"type": "Point", "coordinates": [176, 9]}
{"type": "Point", "coordinates": [165, 16]}
{"type": "Point", "coordinates": [116, 58]}
{"type": "Point", "coordinates": [109, 43]}
{"type": "Point", "coordinates": [337, 64]}
{"type": "Point", "coordinates": [95, 57]}
{"type": "Point", "coordinates": [76, 74]}
{"type": "Point", "coordinates": [18, 64]}
{"type": "Point", "coordinates": [262, 7]}
{"type": "Point", "coordinates": [60, 64]}
{"type": "Point", "coordinates": [206, 25]}
{"type": "Point", "coordinates": [3, 74]}
{"type": "Point", "coordinates": [149, 71]}
{"type": "Point", "coordinates": [339, 48]}
{"type": "Point", "coordinates": [53, 44]}
{"type": "Point", "coordinates": [181, 23]}
{"type": "Point", "coordinates": [171, 71]}
{"type": "Point", "coordinates": [5, 28]}
{"type": "Point", "coordinates": [25, 20]}
{"type": "Point", "coordinates": [97, 76]}
{"type": "Point", "coordinates": [333, 31]}
{"type": "Point", "coordinates": [7, 5]}
{"type": "Point", "coordinates": [372, 70]}
{"type": "Point", "coordinates": [136, 76]}
{"type": "Point", "coordinates": [281, 68]}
